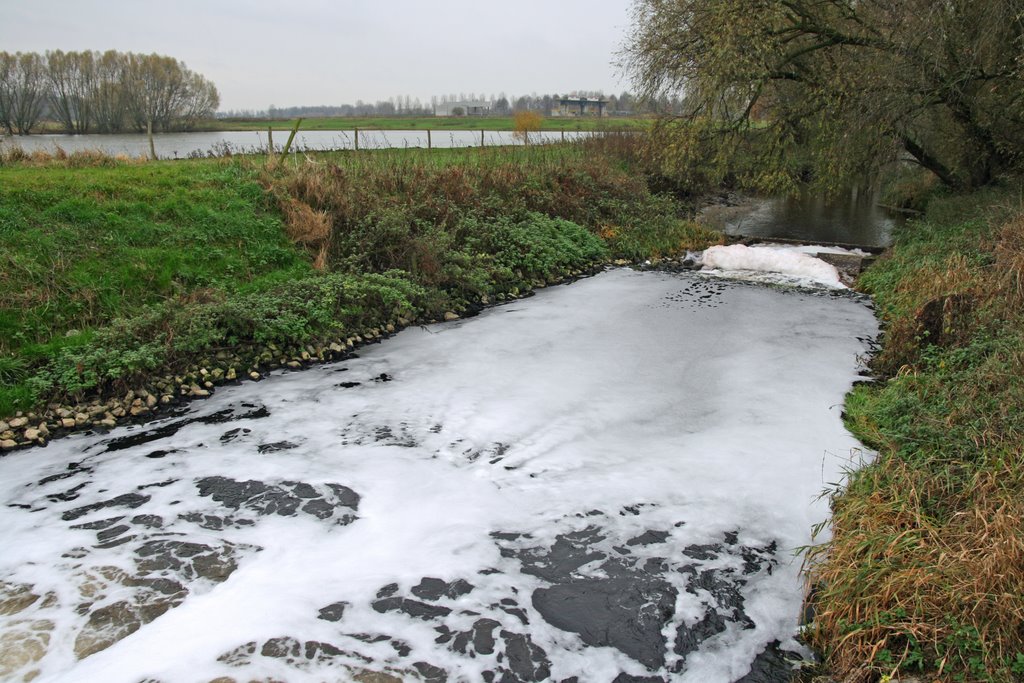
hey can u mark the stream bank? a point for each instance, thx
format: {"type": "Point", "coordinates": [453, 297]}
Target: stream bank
{"type": "Point", "coordinates": [332, 248]}
{"type": "Point", "coordinates": [167, 395]}
{"type": "Point", "coordinates": [923, 575]}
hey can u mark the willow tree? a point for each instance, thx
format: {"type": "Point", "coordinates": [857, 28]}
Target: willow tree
{"type": "Point", "coordinates": [73, 81]}
{"type": "Point", "coordinates": [22, 91]}
{"type": "Point", "coordinates": [843, 85]}
{"type": "Point", "coordinates": [109, 102]}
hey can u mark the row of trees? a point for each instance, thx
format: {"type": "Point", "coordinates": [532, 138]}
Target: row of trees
{"type": "Point", "coordinates": [500, 105]}
{"type": "Point", "coordinates": [851, 83]}
{"type": "Point", "coordinates": [93, 92]}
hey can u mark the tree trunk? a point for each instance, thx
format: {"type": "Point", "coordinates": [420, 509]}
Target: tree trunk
{"type": "Point", "coordinates": [929, 162]}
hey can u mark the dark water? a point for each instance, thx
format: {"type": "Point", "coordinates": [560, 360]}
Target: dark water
{"type": "Point", "coordinates": [854, 218]}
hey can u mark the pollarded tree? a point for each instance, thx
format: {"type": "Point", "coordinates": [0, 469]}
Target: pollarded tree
{"type": "Point", "coordinates": [110, 105]}
{"type": "Point", "coordinates": [160, 92]}
{"type": "Point", "coordinates": [72, 88]}
{"type": "Point", "coordinates": [22, 91]}
{"type": "Point", "coordinates": [851, 83]}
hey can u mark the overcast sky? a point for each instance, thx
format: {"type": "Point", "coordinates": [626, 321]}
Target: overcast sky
{"type": "Point", "coordinates": [307, 52]}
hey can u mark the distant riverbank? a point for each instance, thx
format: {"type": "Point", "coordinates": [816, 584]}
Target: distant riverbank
{"type": "Point", "coordinates": [497, 123]}
{"type": "Point", "coordinates": [228, 143]}
{"type": "Point", "coordinates": [418, 123]}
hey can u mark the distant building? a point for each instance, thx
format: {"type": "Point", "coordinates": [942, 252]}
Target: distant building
{"type": "Point", "coordinates": [580, 106]}
{"type": "Point", "coordinates": [467, 108]}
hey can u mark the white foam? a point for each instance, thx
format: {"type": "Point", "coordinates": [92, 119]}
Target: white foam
{"type": "Point", "coordinates": [709, 405]}
{"type": "Point", "coordinates": [795, 263]}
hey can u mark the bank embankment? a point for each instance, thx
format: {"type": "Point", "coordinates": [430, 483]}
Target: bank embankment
{"type": "Point", "coordinates": [129, 287]}
{"type": "Point", "coordinates": [924, 575]}
{"type": "Point", "coordinates": [438, 123]}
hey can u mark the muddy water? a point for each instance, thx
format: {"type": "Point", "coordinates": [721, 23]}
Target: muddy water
{"type": "Point", "coordinates": [603, 482]}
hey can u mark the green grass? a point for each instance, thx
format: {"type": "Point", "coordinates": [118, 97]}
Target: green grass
{"type": "Point", "coordinates": [83, 245]}
{"type": "Point", "coordinates": [534, 156]}
{"type": "Point", "coordinates": [438, 123]}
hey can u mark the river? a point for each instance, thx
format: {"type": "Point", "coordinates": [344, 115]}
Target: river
{"type": "Point", "coordinates": [852, 218]}
{"type": "Point", "coordinates": [183, 145]}
{"type": "Point", "coordinates": [603, 482]}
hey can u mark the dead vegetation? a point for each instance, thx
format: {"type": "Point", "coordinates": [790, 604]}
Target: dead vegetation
{"type": "Point", "coordinates": [925, 571]}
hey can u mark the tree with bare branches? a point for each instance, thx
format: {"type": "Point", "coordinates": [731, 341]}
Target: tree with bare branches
{"type": "Point", "coordinates": [23, 91]}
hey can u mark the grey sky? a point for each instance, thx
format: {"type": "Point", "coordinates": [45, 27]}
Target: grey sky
{"type": "Point", "coordinates": [333, 52]}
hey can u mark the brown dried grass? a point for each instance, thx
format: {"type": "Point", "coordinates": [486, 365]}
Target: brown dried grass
{"type": "Point", "coordinates": [14, 154]}
{"type": "Point", "coordinates": [309, 228]}
{"type": "Point", "coordinates": [926, 565]}
{"type": "Point", "coordinates": [306, 225]}
{"type": "Point", "coordinates": [1009, 255]}
{"type": "Point", "coordinates": [899, 572]}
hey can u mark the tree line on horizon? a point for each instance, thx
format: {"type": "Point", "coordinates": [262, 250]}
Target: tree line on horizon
{"type": "Point", "coordinates": [101, 92]}
{"type": "Point", "coordinates": [623, 104]}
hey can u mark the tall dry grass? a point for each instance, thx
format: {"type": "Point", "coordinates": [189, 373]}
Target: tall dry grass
{"type": "Point", "coordinates": [12, 154]}
{"type": "Point", "coordinates": [925, 571]}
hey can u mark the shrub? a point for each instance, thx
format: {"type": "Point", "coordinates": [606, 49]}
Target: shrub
{"type": "Point", "coordinates": [526, 122]}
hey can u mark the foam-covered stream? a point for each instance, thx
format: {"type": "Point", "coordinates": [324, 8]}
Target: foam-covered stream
{"type": "Point", "coordinates": [603, 482]}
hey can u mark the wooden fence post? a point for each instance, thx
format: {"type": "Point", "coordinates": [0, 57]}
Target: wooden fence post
{"type": "Point", "coordinates": [149, 134]}
{"type": "Point", "coordinates": [357, 139]}
{"type": "Point", "coordinates": [429, 144]}
{"type": "Point", "coordinates": [270, 142]}
{"type": "Point", "coordinates": [288, 145]}
{"type": "Point", "coordinates": [481, 138]}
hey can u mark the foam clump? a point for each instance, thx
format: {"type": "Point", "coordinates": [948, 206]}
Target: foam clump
{"type": "Point", "coordinates": [793, 263]}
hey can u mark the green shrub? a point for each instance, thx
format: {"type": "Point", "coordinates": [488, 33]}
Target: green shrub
{"type": "Point", "coordinates": [172, 337]}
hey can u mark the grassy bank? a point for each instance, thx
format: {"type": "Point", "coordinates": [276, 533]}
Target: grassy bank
{"type": "Point", "coordinates": [130, 285]}
{"type": "Point", "coordinates": [925, 574]}
{"type": "Point", "coordinates": [428, 122]}
{"type": "Point", "coordinates": [87, 245]}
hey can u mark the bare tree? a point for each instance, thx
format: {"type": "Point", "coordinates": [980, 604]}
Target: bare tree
{"type": "Point", "coordinates": [162, 94]}
{"type": "Point", "coordinates": [72, 85]}
{"type": "Point", "coordinates": [7, 66]}
{"type": "Point", "coordinates": [110, 103]}
{"type": "Point", "coordinates": [22, 91]}
{"type": "Point", "coordinates": [200, 101]}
